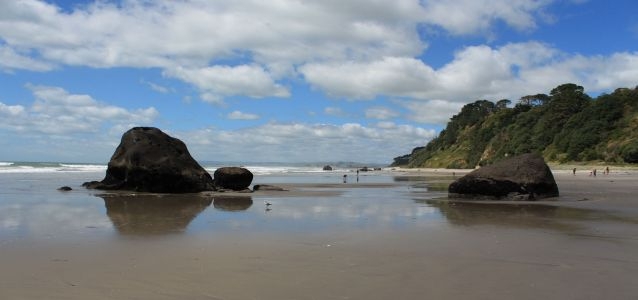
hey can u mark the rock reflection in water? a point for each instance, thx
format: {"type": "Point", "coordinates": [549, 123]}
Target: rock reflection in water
{"type": "Point", "coordinates": [232, 203]}
{"type": "Point", "coordinates": [153, 214]}
{"type": "Point", "coordinates": [511, 215]}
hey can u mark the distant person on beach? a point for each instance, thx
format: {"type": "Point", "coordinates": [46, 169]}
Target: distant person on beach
{"type": "Point", "coordinates": [574, 171]}
{"type": "Point", "coordinates": [345, 178]}
{"type": "Point", "coordinates": [594, 172]}
{"type": "Point", "coordinates": [606, 170]}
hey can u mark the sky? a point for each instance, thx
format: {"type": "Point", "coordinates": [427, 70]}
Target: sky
{"type": "Point", "coordinates": [288, 80]}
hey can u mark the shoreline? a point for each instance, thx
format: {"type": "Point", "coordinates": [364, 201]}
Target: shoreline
{"type": "Point", "coordinates": [568, 248]}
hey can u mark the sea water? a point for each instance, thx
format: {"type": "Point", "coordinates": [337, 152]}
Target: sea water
{"type": "Point", "coordinates": [31, 207]}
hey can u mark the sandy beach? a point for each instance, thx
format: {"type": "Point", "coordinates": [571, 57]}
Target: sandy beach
{"type": "Point", "coordinates": [338, 241]}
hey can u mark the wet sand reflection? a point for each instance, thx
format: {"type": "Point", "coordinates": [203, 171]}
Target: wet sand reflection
{"type": "Point", "coordinates": [153, 214]}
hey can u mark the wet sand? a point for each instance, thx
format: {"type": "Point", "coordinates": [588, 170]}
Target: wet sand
{"type": "Point", "coordinates": [582, 245]}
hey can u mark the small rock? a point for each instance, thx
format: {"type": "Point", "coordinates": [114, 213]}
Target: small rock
{"type": "Point", "coordinates": [267, 187]}
{"type": "Point", "coordinates": [232, 178]}
{"type": "Point", "coordinates": [65, 189]}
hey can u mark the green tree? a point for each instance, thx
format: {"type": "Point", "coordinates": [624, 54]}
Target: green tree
{"type": "Point", "coordinates": [502, 104]}
{"type": "Point", "coordinates": [534, 100]}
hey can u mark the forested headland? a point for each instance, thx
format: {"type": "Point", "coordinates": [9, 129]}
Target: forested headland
{"type": "Point", "coordinates": [564, 126]}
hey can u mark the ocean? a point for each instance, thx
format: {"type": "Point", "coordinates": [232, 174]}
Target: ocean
{"type": "Point", "coordinates": [255, 168]}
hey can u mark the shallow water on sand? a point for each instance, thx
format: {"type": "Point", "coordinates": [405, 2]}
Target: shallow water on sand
{"type": "Point", "coordinates": [385, 236]}
{"type": "Point", "coordinates": [31, 207]}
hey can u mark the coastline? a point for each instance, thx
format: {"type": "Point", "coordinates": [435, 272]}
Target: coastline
{"type": "Point", "coordinates": [582, 245]}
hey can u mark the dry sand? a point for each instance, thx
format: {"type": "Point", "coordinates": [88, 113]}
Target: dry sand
{"type": "Point", "coordinates": [583, 245]}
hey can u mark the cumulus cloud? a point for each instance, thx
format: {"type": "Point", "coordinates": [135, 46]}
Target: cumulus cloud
{"type": "Point", "coordinates": [356, 49]}
{"type": "Point", "coordinates": [478, 16]}
{"type": "Point", "coordinates": [10, 60]}
{"type": "Point", "coordinates": [11, 110]}
{"type": "Point", "coordinates": [158, 33]}
{"type": "Point", "coordinates": [298, 142]}
{"type": "Point", "coordinates": [252, 81]}
{"type": "Point", "coordinates": [191, 40]}
{"type": "Point", "coordinates": [381, 113]}
{"type": "Point", "coordinates": [191, 34]}
{"type": "Point", "coordinates": [238, 115]}
{"type": "Point", "coordinates": [432, 111]}
{"type": "Point", "coordinates": [56, 111]}
{"type": "Point", "coordinates": [476, 72]}
{"type": "Point", "coordinates": [400, 76]}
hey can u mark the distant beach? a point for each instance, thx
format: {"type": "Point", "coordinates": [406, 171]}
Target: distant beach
{"type": "Point", "coordinates": [386, 234]}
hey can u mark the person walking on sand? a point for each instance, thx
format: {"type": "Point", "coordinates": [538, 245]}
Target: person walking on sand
{"type": "Point", "coordinates": [345, 178]}
{"type": "Point", "coordinates": [606, 170]}
{"type": "Point", "coordinates": [574, 171]}
{"type": "Point", "coordinates": [594, 172]}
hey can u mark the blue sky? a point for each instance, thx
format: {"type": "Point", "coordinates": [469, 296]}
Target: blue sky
{"type": "Point", "coordinates": [284, 80]}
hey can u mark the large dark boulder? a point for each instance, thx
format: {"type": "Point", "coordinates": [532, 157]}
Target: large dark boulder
{"type": "Point", "coordinates": [233, 178]}
{"type": "Point", "coordinates": [524, 177]}
{"type": "Point", "coordinates": [148, 160]}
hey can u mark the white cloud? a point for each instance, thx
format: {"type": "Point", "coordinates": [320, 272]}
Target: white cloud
{"type": "Point", "coordinates": [274, 36]}
{"type": "Point", "coordinates": [11, 110]}
{"type": "Point", "coordinates": [184, 37]}
{"type": "Point", "coordinates": [248, 80]}
{"type": "Point", "coordinates": [432, 111]}
{"type": "Point", "coordinates": [56, 111]}
{"type": "Point", "coordinates": [476, 72]}
{"type": "Point", "coordinates": [277, 34]}
{"type": "Point", "coordinates": [478, 16]}
{"type": "Point", "coordinates": [381, 113]}
{"type": "Point", "coordinates": [11, 60]}
{"type": "Point", "coordinates": [299, 142]}
{"type": "Point", "coordinates": [400, 76]}
{"type": "Point", "coordinates": [358, 49]}
{"type": "Point", "coordinates": [238, 115]}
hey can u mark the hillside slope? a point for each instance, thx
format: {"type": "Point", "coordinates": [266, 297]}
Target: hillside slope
{"type": "Point", "coordinates": [565, 126]}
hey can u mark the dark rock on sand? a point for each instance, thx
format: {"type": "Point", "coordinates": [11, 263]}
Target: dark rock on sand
{"type": "Point", "coordinates": [148, 160]}
{"type": "Point", "coordinates": [524, 177]}
{"type": "Point", "coordinates": [232, 178]}
{"type": "Point", "coordinates": [65, 189]}
{"type": "Point", "coordinates": [327, 168]}
{"type": "Point", "coordinates": [267, 187]}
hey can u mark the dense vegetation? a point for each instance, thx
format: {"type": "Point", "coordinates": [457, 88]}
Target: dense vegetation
{"type": "Point", "coordinates": [565, 126]}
